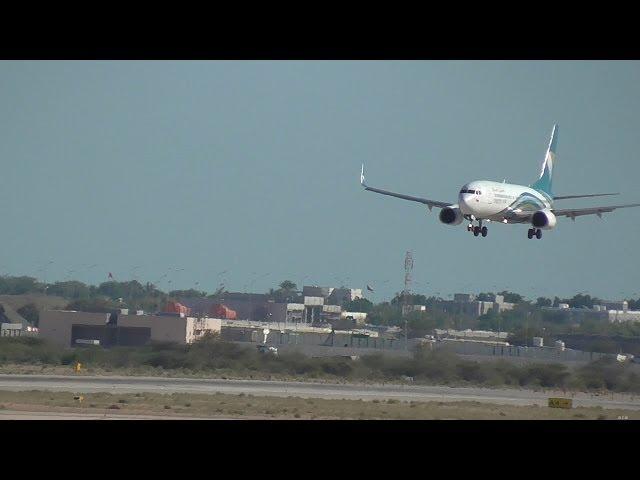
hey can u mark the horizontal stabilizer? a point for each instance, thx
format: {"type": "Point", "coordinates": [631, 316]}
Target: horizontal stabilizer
{"type": "Point", "coordinates": [564, 197]}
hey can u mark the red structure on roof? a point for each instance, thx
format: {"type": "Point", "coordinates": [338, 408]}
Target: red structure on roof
{"type": "Point", "coordinates": [175, 307]}
{"type": "Point", "coordinates": [219, 310]}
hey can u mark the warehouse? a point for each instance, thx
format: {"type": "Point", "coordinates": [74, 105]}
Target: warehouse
{"type": "Point", "coordinates": [71, 328]}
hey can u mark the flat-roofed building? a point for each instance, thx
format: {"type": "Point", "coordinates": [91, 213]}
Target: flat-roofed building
{"type": "Point", "coordinates": [622, 305]}
{"type": "Point", "coordinates": [598, 313]}
{"type": "Point", "coordinates": [332, 295]}
{"type": "Point", "coordinates": [70, 328]}
{"type": "Point", "coordinates": [486, 336]}
{"type": "Point", "coordinates": [619, 316]}
{"type": "Point", "coordinates": [466, 304]}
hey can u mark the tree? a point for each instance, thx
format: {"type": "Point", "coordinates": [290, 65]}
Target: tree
{"type": "Point", "coordinates": [385, 314]}
{"type": "Point", "coordinates": [30, 313]}
{"type": "Point", "coordinates": [219, 291]}
{"type": "Point", "coordinates": [358, 305]}
{"type": "Point", "coordinates": [286, 293]}
{"type": "Point", "coordinates": [71, 290]}
{"type": "Point", "coordinates": [191, 293]}
{"type": "Point", "coordinates": [422, 323]}
{"type": "Point", "coordinates": [486, 297]}
{"type": "Point", "coordinates": [511, 297]}
{"type": "Point", "coordinates": [94, 305]}
{"type": "Point", "coordinates": [543, 302]}
{"type": "Point", "coordinates": [125, 290]}
{"type": "Point", "coordinates": [288, 285]}
{"type": "Point", "coordinates": [19, 285]}
{"type": "Point", "coordinates": [578, 301]}
{"type": "Point", "coordinates": [413, 298]}
{"type": "Point", "coordinates": [3, 317]}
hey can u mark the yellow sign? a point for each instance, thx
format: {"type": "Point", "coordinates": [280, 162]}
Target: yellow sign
{"type": "Point", "coordinates": [77, 367]}
{"type": "Point", "coordinates": [560, 403]}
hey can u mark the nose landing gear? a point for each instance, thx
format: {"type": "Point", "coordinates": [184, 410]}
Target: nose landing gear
{"type": "Point", "coordinates": [478, 229]}
{"type": "Point", "coordinates": [534, 231]}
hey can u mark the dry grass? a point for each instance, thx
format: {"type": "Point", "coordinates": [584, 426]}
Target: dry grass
{"type": "Point", "coordinates": [249, 406]}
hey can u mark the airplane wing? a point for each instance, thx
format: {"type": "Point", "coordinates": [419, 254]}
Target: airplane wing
{"type": "Point", "coordinates": [426, 201]}
{"type": "Point", "coordinates": [572, 213]}
{"type": "Point", "coordinates": [563, 197]}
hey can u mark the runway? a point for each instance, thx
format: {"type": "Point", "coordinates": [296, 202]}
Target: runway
{"type": "Point", "coordinates": [23, 415]}
{"type": "Point", "coordinates": [421, 393]}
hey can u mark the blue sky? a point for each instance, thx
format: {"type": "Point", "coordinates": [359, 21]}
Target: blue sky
{"type": "Point", "coordinates": [187, 169]}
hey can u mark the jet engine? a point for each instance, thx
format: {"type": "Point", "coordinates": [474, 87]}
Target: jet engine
{"type": "Point", "coordinates": [451, 215]}
{"type": "Point", "coordinates": [544, 219]}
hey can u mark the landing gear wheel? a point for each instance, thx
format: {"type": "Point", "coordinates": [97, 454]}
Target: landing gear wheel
{"type": "Point", "coordinates": [530, 233]}
{"type": "Point", "coordinates": [476, 231]}
{"type": "Point", "coordinates": [484, 231]}
{"type": "Point", "coordinates": [538, 234]}
{"type": "Point", "coordinates": [469, 227]}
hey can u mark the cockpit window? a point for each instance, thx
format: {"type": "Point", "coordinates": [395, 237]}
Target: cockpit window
{"type": "Point", "coordinates": [469, 191]}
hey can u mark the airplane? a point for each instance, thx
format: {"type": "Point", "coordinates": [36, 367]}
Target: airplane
{"type": "Point", "coordinates": [485, 201]}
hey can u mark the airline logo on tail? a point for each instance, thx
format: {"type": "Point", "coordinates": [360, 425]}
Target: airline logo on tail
{"type": "Point", "coordinates": [544, 183]}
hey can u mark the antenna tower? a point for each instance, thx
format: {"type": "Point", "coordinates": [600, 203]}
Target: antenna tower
{"type": "Point", "coordinates": [408, 269]}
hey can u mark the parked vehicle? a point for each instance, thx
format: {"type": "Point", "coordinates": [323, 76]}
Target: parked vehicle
{"type": "Point", "coordinates": [267, 349]}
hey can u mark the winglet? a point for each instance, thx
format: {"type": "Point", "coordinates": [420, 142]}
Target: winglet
{"type": "Point", "coordinates": [362, 177]}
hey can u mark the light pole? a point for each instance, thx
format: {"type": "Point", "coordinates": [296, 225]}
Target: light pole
{"type": "Point", "coordinates": [406, 334]}
{"type": "Point", "coordinates": [46, 267]}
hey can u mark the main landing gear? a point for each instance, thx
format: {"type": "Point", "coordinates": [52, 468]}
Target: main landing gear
{"type": "Point", "coordinates": [534, 231]}
{"type": "Point", "coordinates": [477, 230]}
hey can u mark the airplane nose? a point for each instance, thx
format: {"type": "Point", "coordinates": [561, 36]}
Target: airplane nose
{"type": "Point", "coordinates": [463, 204]}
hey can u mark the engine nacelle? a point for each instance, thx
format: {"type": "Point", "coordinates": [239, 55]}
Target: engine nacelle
{"type": "Point", "coordinates": [544, 219]}
{"type": "Point", "coordinates": [451, 215]}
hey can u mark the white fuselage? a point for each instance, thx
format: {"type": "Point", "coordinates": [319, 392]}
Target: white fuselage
{"type": "Point", "coordinates": [501, 202]}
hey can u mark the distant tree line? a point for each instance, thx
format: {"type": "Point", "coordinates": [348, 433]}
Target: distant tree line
{"type": "Point", "coordinates": [524, 322]}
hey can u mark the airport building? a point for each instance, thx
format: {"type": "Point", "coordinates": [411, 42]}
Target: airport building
{"type": "Point", "coordinates": [310, 340]}
{"type": "Point", "coordinates": [466, 304]}
{"type": "Point", "coordinates": [316, 306]}
{"type": "Point", "coordinates": [480, 336]}
{"type": "Point", "coordinates": [72, 329]}
{"type": "Point", "coordinates": [12, 330]}
{"type": "Point", "coordinates": [611, 311]}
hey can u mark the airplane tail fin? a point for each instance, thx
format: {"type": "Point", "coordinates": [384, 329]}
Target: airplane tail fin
{"type": "Point", "coordinates": [544, 183]}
